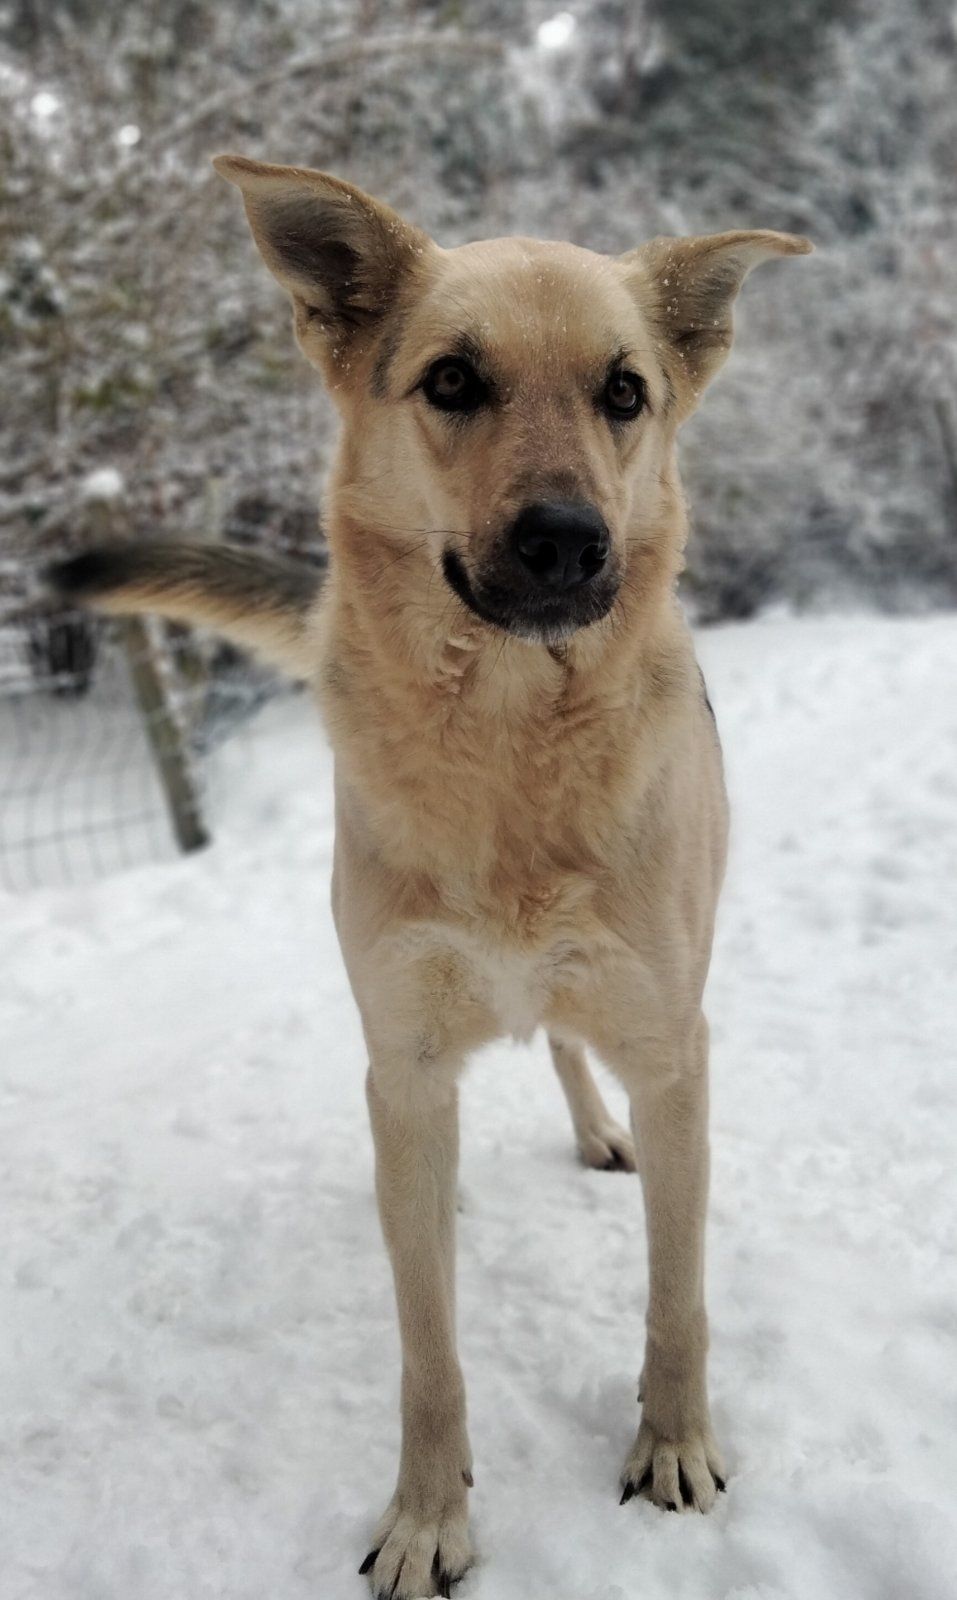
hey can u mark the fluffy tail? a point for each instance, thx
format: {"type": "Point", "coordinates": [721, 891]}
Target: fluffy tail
{"type": "Point", "coordinates": [261, 602]}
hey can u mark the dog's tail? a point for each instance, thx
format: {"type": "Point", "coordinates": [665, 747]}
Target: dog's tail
{"type": "Point", "coordinates": [261, 602]}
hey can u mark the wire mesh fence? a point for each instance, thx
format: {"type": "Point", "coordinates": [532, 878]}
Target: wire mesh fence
{"type": "Point", "coordinates": [106, 730]}
{"type": "Point", "coordinates": [107, 727]}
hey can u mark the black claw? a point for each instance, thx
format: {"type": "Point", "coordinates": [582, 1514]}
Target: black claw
{"type": "Point", "coordinates": [670, 1505]}
{"type": "Point", "coordinates": [720, 1484]}
{"type": "Point", "coordinates": [687, 1493]}
{"type": "Point", "coordinates": [368, 1563]}
{"type": "Point", "coordinates": [627, 1494]}
{"type": "Point", "coordinates": [443, 1579]}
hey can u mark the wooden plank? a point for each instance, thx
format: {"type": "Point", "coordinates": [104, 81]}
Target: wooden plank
{"type": "Point", "coordinates": [166, 735]}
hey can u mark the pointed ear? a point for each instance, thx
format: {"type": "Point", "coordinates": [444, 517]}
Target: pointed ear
{"type": "Point", "coordinates": [687, 289]}
{"type": "Point", "coordinates": [341, 255]}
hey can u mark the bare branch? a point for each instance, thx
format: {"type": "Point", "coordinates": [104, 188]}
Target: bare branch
{"type": "Point", "coordinates": [332, 59]}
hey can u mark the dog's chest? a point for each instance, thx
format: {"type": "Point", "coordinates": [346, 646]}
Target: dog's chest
{"type": "Point", "coordinates": [502, 838]}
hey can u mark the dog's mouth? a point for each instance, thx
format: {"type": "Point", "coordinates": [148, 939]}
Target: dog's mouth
{"type": "Point", "coordinates": [527, 613]}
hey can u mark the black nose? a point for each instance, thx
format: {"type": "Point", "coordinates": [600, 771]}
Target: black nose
{"type": "Point", "coordinates": [562, 543]}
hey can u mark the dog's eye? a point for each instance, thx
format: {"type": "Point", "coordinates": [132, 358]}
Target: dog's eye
{"type": "Point", "coordinates": [624, 395]}
{"type": "Point", "coordinates": [452, 385]}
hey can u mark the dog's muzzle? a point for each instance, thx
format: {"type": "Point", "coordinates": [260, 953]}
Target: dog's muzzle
{"type": "Point", "coordinates": [552, 573]}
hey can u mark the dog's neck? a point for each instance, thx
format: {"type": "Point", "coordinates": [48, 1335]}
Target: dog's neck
{"type": "Point", "coordinates": [482, 764]}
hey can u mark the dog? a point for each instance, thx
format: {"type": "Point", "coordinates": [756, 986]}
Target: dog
{"type": "Point", "coordinates": [530, 811]}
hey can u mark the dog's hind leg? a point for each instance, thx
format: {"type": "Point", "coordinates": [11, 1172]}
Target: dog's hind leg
{"type": "Point", "coordinates": [421, 1545]}
{"type": "Point", "coordinates": [602, 1142]}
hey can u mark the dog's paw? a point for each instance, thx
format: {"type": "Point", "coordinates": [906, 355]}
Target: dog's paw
{"type": "Point", "coordinates": [415, 1555]}
{"type": "Point", "coordinates": [680, 1475]}
{"type": "Point", "coordinates": [607, 1146]}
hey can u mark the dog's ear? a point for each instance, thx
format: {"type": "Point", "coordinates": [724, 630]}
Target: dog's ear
{"type": "Point", "coordinates": [342, 256]}
{"type": "Point", "coordinates": [687, 289]}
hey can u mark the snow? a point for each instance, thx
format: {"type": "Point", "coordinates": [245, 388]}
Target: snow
{"type": "Point", "coordinates": [556, 32]}
{"type": "Point", "coordinates": [103, 483]}
{"type": "Point", "coordinates": [44, 105]}
{"type": "Point", "coordinates": [201, 1367]}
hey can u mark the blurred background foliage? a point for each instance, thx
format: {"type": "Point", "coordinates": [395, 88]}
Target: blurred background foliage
{"type": "Point", "coordinates": [147, 359]}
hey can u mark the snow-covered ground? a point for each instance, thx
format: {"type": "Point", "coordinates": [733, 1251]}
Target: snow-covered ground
{"type": "Point", "coordinates": [199, 1357]}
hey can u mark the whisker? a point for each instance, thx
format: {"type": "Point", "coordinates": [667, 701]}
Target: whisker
{"type": "Point", "coordinates": [402, 556]}
{"type": "Point", "coordinates": [501, 651]}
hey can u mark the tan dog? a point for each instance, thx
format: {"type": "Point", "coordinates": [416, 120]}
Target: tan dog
{"type": "Point", "coordinates": [530, 811]}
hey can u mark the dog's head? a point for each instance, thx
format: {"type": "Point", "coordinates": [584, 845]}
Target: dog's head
{"type": "Point", "coordinates": [509, 406]}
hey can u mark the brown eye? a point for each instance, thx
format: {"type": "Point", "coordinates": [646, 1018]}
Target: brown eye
{"type": "Point", "coordinates": [453, 385]}
{"type": "Point", "coordinates": [624, 395]}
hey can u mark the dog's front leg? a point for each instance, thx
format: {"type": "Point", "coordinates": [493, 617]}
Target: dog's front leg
{"type": "Point", "coordinates": [421, 1545]}
{"type": "Point", "coordinates": [675, 1459]}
